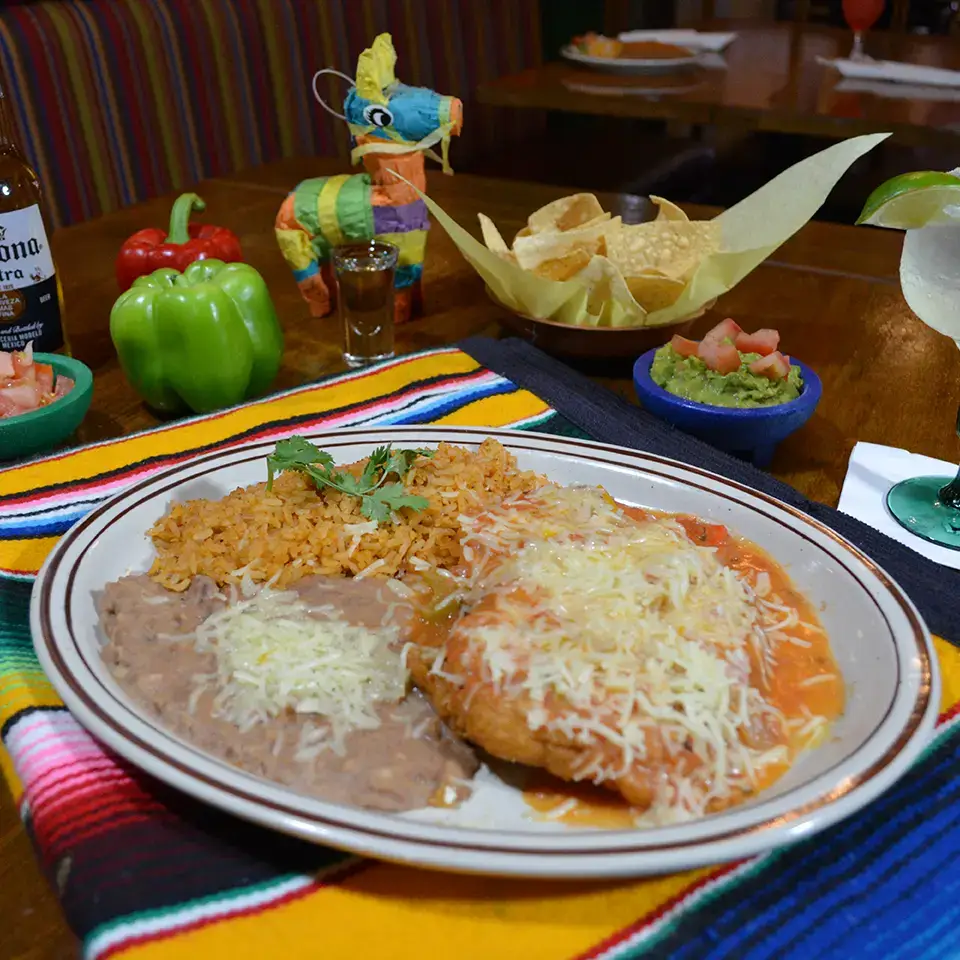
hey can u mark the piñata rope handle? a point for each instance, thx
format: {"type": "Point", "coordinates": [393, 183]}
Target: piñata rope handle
{"type": "Point", "coordinates": [323, 103]}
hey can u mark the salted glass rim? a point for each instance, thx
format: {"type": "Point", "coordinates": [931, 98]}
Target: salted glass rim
{"type": "Point", "coordinates": [365, 255]}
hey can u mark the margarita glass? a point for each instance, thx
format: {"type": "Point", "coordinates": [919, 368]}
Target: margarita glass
{"type": "Point", "coordinates": [927, 206]}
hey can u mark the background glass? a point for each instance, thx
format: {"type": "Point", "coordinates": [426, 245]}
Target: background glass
{"type": "Point", "coordinates": [365, 273]}
{"type": "Point", "coordinates": [861, 15]}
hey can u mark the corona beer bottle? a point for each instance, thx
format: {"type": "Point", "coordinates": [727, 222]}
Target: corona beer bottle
{"type": "Point", "coordinates": [30, 295]}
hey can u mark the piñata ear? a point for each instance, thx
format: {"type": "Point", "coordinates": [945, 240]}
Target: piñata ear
{"type": "Point", "coordinates": [375, 69]}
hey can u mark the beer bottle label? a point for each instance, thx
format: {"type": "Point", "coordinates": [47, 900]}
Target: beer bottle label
{"type": "Point", "coordinates": [29, 305]}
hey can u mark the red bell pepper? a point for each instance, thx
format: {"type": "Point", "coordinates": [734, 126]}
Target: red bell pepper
{"type": "Point", "coordinates": [153, 248]}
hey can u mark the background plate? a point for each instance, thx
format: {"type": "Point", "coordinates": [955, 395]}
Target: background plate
{"type": "Point", "coordinates": [627, 64]}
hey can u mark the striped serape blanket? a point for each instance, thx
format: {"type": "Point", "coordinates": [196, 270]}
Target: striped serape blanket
{"type": "Point", "coordinates": [143, 871]}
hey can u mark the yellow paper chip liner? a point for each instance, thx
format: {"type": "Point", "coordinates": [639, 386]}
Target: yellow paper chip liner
{"type": "Point", "coordinates": [727, 248]}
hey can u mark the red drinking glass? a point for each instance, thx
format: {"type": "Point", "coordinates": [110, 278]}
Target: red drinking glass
{"type": "Point", "coordinates": [861, 15]}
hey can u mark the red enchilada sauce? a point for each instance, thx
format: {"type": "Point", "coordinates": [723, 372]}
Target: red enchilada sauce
{"type": "Point", "coordinates": [790, 688]}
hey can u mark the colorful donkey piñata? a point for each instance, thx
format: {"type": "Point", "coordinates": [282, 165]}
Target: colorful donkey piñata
{"type": "Point", "coordinates": [393, 126]}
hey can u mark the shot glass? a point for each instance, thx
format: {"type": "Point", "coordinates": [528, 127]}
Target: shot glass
{"type": "Point", "coordinates": [364, 273]}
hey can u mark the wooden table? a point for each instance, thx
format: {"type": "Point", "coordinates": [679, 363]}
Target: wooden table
{"type": "Point", "coordinates": [767, 79]}
{"type": "Point", "coordinates": [831, 290]}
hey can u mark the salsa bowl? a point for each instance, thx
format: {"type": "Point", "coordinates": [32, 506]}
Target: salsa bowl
{"type": "Point", "coordinates": [45, 428]}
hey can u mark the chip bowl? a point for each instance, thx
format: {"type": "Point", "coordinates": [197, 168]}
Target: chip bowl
{"type": "Point", "coordinates": [752, 433]}
{"type": "Point", "coordinates": [570, 342]}
{"type": "Point", "coordinates": [49, 426]}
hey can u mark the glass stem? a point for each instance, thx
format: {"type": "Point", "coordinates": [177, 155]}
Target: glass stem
{"type": "Point", "coordinates": [950, 494]}
{"type": "Point", "coordinates": [857, 52]}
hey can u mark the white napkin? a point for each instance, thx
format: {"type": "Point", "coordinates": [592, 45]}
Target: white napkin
{"type": "Point", "coordinates": [900, 91]}
{"type": "Point", "coordinates": [894, 71]}
{"type": "Point", "coordinates": [693, 39]}
{"type": "Point", "coordinates": [873, 469]}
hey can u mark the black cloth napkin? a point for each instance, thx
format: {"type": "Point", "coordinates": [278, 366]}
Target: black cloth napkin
{"type": "Point", "coordinates": [604, 416]}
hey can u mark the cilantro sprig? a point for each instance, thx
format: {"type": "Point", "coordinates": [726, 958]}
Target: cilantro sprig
{"type": "Point", "coordinates": [379, 499]}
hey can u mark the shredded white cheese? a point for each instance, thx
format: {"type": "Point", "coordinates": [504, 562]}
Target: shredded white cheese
{"type": "Point", "coordinates": [274, 654]}
{"type": "Point", "coordinates": [626, 638]}
{"type": "Point", "coordinates": [819, 678]}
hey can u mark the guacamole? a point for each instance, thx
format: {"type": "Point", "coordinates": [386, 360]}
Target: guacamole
{"type": "Point", "coordinates": [690, 378]}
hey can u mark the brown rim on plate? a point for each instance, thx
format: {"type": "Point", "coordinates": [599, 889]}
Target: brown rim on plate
{"type": "Point", "coordinates": [643, 463]}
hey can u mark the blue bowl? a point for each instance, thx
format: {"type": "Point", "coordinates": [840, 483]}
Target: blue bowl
{"type": "Point", "coordinates": [752, 433]}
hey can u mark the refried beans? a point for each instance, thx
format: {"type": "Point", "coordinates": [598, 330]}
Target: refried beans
{"type": "Point", "coordinates": [409, 761]}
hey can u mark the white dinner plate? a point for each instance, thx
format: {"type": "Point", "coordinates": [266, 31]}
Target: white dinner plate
{"type": "Point", "coordinates": [707, 41]}
{"type": "Point", "coordinates": [879, 640]}
{"type": "Point", "coordinates": [629, 64]}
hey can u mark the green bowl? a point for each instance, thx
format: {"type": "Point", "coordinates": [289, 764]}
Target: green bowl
{"type": "Point", "coordinates": [49, 426]}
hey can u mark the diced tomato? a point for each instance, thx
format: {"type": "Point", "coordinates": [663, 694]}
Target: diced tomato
{"type": "Point", "coordinates": [683, 346]}
{"type": "Point", "coordinates": [7, 407]}
{"type": "Point", "coordinates": [705, 534]}
{"type": "Point", "coordinates": [719, 355]}
{"type": "Point", "coordinates": [44, 374]}
{"type": "Point", "coordinates": [23, 362]}
{"type": "Point", "coordinates": [763, 342]}
{"type": "Point", "coordinates": [25, 385]}
{"type": "Point", "coordinates": [21, 397]}
{"type": "Point", "coordinates": [727, 329]}
{"type": "Point", "coordinates": [776, 366]}
{"type": "Point", "coordinates": [21, 368]}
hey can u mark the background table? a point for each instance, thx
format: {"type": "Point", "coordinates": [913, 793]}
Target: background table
{"type": "Point", "coordinates": [767, 79]}
{"type": "Point", "coordinates": [831, 290]}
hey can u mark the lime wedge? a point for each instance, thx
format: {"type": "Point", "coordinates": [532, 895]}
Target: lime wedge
{"type": "Point", "coordinates": [914, 200]}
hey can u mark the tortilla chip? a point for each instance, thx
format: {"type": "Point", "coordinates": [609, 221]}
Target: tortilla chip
{"type": "Point", "coordinates": [672, 248]}
{"type": "Point", "coordinates": [668, 210]}
{"type": "Point", "coordinates": [534, 250]}
{"type": "Point", "coordinates": [654, 291]}
{"type": "Point", "coordinates": [597, 45]}
{"type": "Point", "coordinates": [609, 298]}
{"type": "Point", "coordinates": [565, 267]}
{"type": "Point", "coordinates": [605, 217]}
{"type": "Point", "coordinates": [566, 213]}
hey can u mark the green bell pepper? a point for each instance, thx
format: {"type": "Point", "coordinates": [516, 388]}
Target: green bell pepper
{"type": "Point", "coordinates": [199, 340]}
